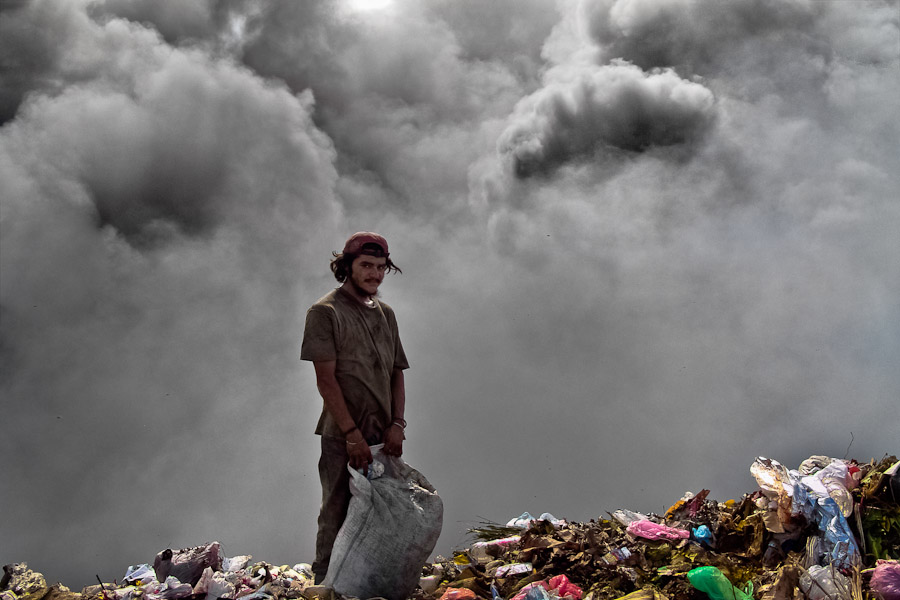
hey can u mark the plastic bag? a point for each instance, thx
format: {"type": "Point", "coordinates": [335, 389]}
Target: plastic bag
{"type": "Point", "coordinates": [565, 588]}
{"type": "Point", "coordinates": [458, 594]}
{"type": "Point", "coordinates": [560, 586]}
{"type": "Point", "coordinates": [794, 496]}
{"type": "Point", "coordinates": [213, 584]}
{"type": "Point", "coordinates": [392, 525]}
{"type": "Point", "coordinates": [840, 544]}
{"type": "Point", "coordinates": [625, 516]}
{"type": "Point", "coordinates": [825, 583]}
{"type": "Point", "coordinates": [833, 480]}
{"type": "Point", "coordinates": [655, 531]}
{"type": "Point", "coordinates": [714, 584]}
{"type": "Point", "coordinates": [188, 564]}
{"type": "Point", "coordinates": [526, 520]}
{"type": "Point", "coordinates": [886, 580]}
{"type": "Point", "coordinates": [140, 574]}
{"type": "Point", "coordinates": [703, 535]}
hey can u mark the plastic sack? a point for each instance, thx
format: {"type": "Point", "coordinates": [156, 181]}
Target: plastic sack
{"type": "Point", "coordinates": [794, 494]}
{"type": "Point", "coordinates": [236, 563]}
{"type": "Point", "coordinates": [525, 520]}
{"type": "Point", "coordinates": [703, 535]}
{"type": "Point", "coordinates": [171, 589]}
{"type": "Point", "coordinates": [771, 476]}
{"type": "Point", "coordinates": [655, 531]}
{"type": "Point", "coordinates": [392, 525]}
{"type": "Point", "coordinates": [560, 586]}
{"type": "Point", "coordinates": [833, 480]}
{"type": "Point", "coordinates": [840, 544]}
{"type": "Point", "coordinates": [188, 564]}
{"type": "Point", "coordinates": [625, 516]}
{"type": "Point", "coordinates": [825, 583]}
{"type": "Point", "coordinates": [565, 588]}
{"type": "Point", "coordinates": [138, 575]}
{"type": "Point", "coordinates": [214, 585]}
{"type": "Point", "coordinates": [885, 582]}
{"type": "Point", "coordinates": [714, 584]}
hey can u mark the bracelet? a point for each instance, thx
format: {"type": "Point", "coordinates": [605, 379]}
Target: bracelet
{"type": "Point", "coordinates": [349, 443]}
{"type": "Point", "coordinates": [400, 422]}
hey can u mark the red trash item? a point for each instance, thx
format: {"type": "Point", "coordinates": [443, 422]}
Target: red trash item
{"type": "Point", "coordinates": [458, 594]}
{"type": "Point", "coordinates": [565, 588]}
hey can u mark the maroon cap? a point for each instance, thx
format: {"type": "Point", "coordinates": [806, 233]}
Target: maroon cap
{"type": "Point", "coordinates": [356, 241]}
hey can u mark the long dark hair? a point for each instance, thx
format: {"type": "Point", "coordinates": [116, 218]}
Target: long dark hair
{"type": "Point", "coordinates": [342, 263]}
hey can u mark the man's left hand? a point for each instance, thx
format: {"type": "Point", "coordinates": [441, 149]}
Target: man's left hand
{"type": "Point", "coordinates": [393, 440]}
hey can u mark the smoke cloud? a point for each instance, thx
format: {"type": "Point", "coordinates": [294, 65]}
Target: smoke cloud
{"type": "Point", "coordinates": [581, 111]}
{"type": "Point", "coordinates": [642, 243]}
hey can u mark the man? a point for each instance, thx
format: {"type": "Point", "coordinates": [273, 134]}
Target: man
{"type": "Point", "coordinates": [352, 340]}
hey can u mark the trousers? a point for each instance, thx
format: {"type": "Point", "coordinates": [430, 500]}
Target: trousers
{"type": "Point", "coordinates": [335, 480]}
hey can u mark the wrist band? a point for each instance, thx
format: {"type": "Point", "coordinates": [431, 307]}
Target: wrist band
{"type": "Point", "coordinates": [400, 422]}
{"type": "Point", "coordinates": [349, 443]}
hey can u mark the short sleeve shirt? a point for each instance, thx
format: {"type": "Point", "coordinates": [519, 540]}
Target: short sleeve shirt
{"type": "Point", "coordinates": [365, 343]}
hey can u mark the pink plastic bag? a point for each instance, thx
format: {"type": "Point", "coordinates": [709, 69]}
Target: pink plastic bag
{"type": "Point", "coordinates": [886, 580]}
{"type": "Point", "coordinates": [458, 594]}
{"type": "Point", "coordinates": [559, 584]}
{"type": "Point", "coordinates": [655, 531]}
{"type": "Point", "coordinates": [565, 588]}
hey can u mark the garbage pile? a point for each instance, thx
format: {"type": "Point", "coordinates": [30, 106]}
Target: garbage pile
{"type": "Point", "coordinates": [828, 530]}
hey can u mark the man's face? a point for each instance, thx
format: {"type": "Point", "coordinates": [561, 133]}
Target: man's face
{"type": "Point", "coordinates": [367, 273]}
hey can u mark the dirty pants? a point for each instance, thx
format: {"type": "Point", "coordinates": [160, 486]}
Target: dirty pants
{"type": "Point", "coordinates": [335, 479]}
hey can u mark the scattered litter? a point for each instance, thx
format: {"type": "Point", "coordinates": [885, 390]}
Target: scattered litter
{"type": "Point", "coordinates": [828, 529]}
{"type": "Point", "coordinates": [525, 520]}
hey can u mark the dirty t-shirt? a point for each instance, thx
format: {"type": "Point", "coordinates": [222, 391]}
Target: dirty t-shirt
{"type": "Point", "coordinates": [365, 344]}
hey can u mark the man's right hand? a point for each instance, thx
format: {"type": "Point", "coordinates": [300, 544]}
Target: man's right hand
{"type": "Point", "coordinates": [359, 452]}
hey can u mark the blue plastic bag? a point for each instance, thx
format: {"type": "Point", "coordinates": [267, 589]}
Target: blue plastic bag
{"type": "Point", "coordinates": [703, 535]}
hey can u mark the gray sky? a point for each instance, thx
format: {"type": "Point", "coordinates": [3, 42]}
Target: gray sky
{"type": "Point", "coordinates": [642, 242]}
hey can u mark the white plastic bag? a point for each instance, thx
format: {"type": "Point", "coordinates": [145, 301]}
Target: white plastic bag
{"type": "Point", "coordinates": [392, 525]}
{"type": "Point", "coordinates": [825, 583]}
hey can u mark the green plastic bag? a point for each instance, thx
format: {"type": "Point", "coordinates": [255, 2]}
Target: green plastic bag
{"type": "Point", "coordinates": [714, 583]}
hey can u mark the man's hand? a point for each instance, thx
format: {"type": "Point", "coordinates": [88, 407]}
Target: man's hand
{"type": "Point", "coordinates": [393, 440]}
{"type": "Point", "coordinates": [359, 452]}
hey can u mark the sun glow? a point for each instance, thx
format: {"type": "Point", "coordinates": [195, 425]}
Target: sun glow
{"type": "Point", "coordinates": [368, 5]}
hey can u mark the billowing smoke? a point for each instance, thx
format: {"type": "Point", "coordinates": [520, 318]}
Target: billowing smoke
{"type": "Point", "coordinates": [634, 236]}
{"type": "Point", "coordinates": [581, 111]}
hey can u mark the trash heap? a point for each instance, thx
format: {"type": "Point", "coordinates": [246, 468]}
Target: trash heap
{"type": "Point", "coordinates": [830, 529]}
{"type": "Point", "coordinates": [827, 530]}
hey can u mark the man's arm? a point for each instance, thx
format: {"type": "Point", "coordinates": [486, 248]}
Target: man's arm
{"type": "Point", "coordinates": [330, 390]}
{"type": "Point", "coordinates": [393, 436]}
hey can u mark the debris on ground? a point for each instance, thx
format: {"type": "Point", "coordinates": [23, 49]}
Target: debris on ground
{"type": "Point", "coordinates": [829, 529]}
